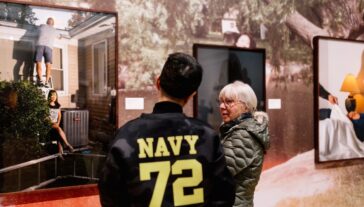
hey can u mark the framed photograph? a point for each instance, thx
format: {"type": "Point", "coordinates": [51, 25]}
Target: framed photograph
{"type": "Point", "coordinates": [223, 65]}
{"type": "Point", "coordinates": [81, 52]}
{"type": "Point", "coordinates": [339, 102]}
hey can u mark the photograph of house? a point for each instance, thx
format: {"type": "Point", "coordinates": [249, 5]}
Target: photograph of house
{"type": "Point", "coordinates": [83, 73]}
{"type": "Point", "coordinates": [83, 69]}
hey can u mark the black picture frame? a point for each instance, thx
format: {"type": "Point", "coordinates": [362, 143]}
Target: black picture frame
{"type": "Point", "coordinates": [222, 65]}
{"type": "Point", "coordinates": [335, 136]}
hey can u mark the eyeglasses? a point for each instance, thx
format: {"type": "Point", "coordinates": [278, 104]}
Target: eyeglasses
{"type": "Point", "coordinates": [229, 102]}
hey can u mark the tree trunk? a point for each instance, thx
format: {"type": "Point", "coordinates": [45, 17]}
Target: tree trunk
{"type": "Point", "coordinates": [304, 28]}
{"type": "Point", "coordinates": [352, 29]}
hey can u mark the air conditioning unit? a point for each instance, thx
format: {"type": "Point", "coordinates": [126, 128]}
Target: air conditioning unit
{"type": "Point", "coordinates": [75, 124]}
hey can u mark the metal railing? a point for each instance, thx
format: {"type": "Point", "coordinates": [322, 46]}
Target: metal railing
{"type": "Point", "coordinates": [19, 167]}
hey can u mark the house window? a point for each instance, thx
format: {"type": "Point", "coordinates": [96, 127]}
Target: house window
{"type": "Point", "coordinates": [99, 51]}
{"type": "Point", "coordinates": [57, 70]}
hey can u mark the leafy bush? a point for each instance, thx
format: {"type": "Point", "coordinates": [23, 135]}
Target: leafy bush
{"type": "Point", "coordinates": [24, 121]}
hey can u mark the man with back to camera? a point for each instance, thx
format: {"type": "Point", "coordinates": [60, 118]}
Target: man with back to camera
{"type": "Point", "coordinates": [44, 46]}
{"type": "Point", "coordinates": [166, 158]}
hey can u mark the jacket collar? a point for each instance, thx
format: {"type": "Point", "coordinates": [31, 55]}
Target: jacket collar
{"type": "Point", "coordinates": [226, 126]}
{"type": "Point", "coordinates": [167, 107]}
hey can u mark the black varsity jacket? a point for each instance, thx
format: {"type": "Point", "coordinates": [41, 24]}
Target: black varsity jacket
{"type": "Point", "coordinates": [166, 159]}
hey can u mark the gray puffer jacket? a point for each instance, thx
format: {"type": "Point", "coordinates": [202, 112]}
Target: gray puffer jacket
{"type": "Point", "coordinates": [245, 141]}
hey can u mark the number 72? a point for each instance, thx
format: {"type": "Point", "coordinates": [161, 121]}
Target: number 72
{"type": "Point", "coordinates": [164, 169]}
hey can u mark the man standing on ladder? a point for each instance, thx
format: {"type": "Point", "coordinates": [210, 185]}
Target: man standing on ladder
{"type": "Point", "coordinates": [44, 45]}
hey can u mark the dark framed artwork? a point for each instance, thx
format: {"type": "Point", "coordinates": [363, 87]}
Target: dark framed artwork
{"type": "Point", "coordinates": [84, 75]}
{"type": "Point", "coordinates": [339, 102]}
{"type": "Point", "coordinates": [223, 65]}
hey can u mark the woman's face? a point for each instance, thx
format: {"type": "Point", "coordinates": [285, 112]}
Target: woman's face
{"type": "Point", "coordinates": [53, 97]}
{"type": "Point", "coordinates": [231, 109]}
{"type": "Point", "coordinates": [243, 41]}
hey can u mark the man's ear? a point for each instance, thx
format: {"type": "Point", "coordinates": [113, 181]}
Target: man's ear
{"type": "Point", "coordinates": [158, 83]}
{"type": "Point", "coordinates": [191, 96]}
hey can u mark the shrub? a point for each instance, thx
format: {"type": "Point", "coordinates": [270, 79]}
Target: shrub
{"type": "Point", "coordinates": [24, 121]}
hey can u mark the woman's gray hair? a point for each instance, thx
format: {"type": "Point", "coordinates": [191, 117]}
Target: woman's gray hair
{"type": "Point", "coordinates": [240, 91]}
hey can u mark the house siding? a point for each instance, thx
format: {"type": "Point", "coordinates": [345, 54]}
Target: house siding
{"type": "Point", "coordinates": [16, 59]}
{"type": "Point", "coordinates": [98, 105]}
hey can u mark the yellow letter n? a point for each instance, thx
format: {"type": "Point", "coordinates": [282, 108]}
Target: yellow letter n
{"type": "Point", "coordinates": [145, 148]}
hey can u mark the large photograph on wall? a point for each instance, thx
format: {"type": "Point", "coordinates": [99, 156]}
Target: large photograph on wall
{"type": "Point", "coordinates": [339, 66]}
{"type": "Point", "coordinates": [58, 95]}
{"type": "Point", "coordinates": [223, 65]}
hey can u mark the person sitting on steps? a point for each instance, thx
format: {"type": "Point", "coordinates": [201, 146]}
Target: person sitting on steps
{"type": "Point", "coordinates": [55, 116]}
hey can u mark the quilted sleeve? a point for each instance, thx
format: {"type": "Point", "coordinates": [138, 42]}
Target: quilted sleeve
{"type": "Point", "coordinates": [239, 151]}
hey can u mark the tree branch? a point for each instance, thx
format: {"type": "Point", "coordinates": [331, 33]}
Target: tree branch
{"type": "Point", "coordinates": [304, 28]}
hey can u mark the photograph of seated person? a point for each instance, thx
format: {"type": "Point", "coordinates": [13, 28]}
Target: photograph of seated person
{"type": "Point", "coordinates": [55, 116]}
{"type": "Point", "coordinates": [356, 118]}
{"type": "Point", "coordinates": [340, 132]}
{"type": "Point", "coordinates": [245, 138]}
{"type": "Point", "coordinates": [165, 158]}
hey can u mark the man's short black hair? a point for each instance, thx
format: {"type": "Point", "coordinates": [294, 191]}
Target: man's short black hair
{"type": "Point", "coordinates": [181, 75]}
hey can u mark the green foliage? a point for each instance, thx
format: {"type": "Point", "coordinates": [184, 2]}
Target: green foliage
{"type": "Point", "coordinates": [144, 23]}
{"type": "Point", "coordinates": [28, 118]}
{"type": "Point", "coordinates": [78, 17]}
{"type": "Point", "coordinates": [19, 13]}
{"type": "Point", "coordinates": [24, 120]}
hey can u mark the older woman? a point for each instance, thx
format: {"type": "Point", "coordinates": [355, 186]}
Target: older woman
{"type": "Point", "coordinates": [245, 138]}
